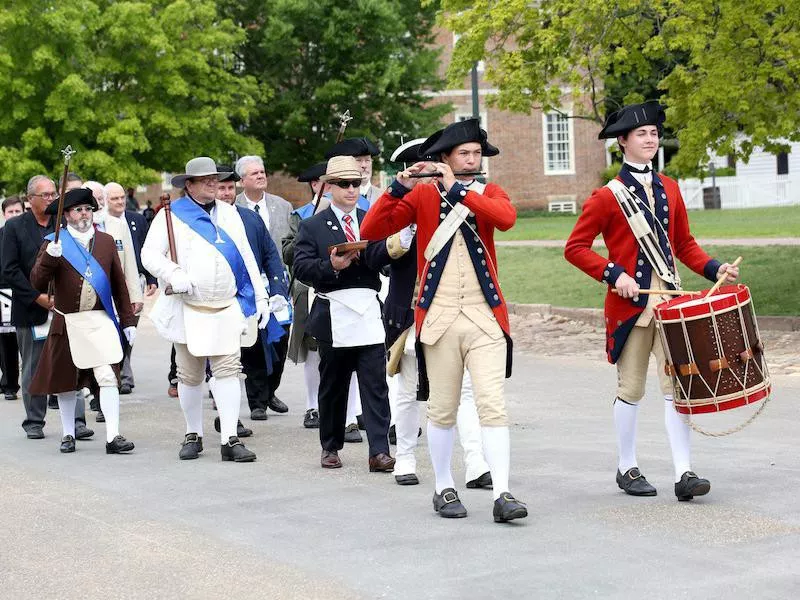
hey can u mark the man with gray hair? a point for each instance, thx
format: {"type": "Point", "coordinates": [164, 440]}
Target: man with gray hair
{"type": "Point", "coordinates": [275, 212]}
{"type": "Point", "coordinates": [30, 309]}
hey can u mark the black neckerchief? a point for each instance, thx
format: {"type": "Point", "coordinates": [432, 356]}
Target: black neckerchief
{"type": "Point", "coordinates": [205, 207]}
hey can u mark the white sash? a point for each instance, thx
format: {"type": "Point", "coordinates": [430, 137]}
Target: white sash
{"type": "Point", "coordinates": [448, 227]}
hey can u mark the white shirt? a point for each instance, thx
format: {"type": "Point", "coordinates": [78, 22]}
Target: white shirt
{"type": "Point", "coordinates": [643, 178]}
{"type": "Point", "coordinates": [353, 224]}
{"type": "Point", "coordinates": [260, 207]}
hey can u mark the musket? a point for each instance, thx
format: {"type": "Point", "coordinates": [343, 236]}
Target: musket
{"type": "Point", "coordinates": [437, 174]}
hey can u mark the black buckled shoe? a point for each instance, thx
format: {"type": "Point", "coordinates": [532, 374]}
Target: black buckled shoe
{"type": "Point", "coordinates": [407, 479]}
{"type": "Point", "coordinates": [634, 483]}
{"type": "Point", "coordinates": [119, 445]}
{"type": "Point", "coordinates": [311, 419]}
{"type": "Point", "coordinates": [507, 508]}
{"type": "Point", "coordinates": [235, 451]}
{"type": "Point", "coordinates": [241, 430]}
{"type": "Point", "coordinates": [82, 432]}
{"type": "Point", "coordinates": [191, 447]}
{"type": "Point", "coordinates": [448, 504]}
{"type": "Point", "coordinates": [690, 486]}
{"type": "Point", "coordinates": [67, 444]}
{"type": "Point", "coordinates": [484, 481]}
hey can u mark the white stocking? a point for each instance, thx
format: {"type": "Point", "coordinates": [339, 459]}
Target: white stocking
{"type": "Point", "coordinates": [191, 398]}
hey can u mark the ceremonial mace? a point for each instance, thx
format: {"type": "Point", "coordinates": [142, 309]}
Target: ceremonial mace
{"type": "Point", "coordinates": [67, 152]}
{"type": "Point", "coordinates": [173, 252]}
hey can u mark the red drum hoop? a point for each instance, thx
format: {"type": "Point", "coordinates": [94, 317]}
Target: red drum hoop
{"type": "Point", "coordinates": [713, 350]}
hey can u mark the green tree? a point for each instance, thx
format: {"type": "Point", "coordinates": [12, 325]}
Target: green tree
{"type": "Point", "coordinates": [322, 57]}
{"type": "Point", "coordinates": [727, 70]}
{"type": "Point", "coordinates": [134, 87]}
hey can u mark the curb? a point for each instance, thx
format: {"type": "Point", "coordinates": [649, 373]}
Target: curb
{"type": "Point", "coordinates": [594, 316]}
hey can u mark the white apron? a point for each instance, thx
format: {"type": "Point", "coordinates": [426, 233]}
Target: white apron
{"type": "Point", "coordinates": [355, 317]}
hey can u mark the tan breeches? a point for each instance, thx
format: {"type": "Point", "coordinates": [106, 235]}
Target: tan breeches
{"type": "Point", "coordinates": [634, 361]}
{"type": "Point", "coordinates": [466, 346]}
{"type": "Point", "coordinates": [105, 376]}
{"type": "Point", "coordinates": [192, 369]}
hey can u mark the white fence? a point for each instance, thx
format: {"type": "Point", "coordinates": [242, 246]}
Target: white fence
{"type": "Point", "coordinates": [740, 192]}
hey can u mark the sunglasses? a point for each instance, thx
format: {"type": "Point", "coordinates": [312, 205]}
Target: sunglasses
{"type": "Point", "coordinates": [81, 209]}
{"type": "Point", "coordinates": [344, 184]}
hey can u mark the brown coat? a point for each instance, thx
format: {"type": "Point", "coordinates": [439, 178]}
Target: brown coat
{"type": "Point", "coordinates": [56, 372]}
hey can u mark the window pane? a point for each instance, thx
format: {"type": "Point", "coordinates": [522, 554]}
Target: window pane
{"type": "Point", "coordinates": [557, 142]}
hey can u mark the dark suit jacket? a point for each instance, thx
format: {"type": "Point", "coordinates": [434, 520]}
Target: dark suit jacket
{"type": "Point", "coordinates": [397, 312]}
{"type": "Point", "coordinates": [22, 239]}
{"type": "Point", "coordinates": [265, 251]}
{"type": "Point", "coordinates": [138, 226]}
{"type": "Point", "coordinates": [312, 266]}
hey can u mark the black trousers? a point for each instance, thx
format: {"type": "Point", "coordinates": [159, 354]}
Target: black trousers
{"type": "Point", "coordinates": [9, 363]}
{"type": "Point", "coordinates": [282, 349]}
{"type": "Point", "coordinates": [256, 384]}
{"type": "Point", "coordinates": [336, 366]}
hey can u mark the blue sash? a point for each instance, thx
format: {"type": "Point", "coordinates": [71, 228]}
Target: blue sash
{"type": "Point", "coordinates": [268, 336]}
{"type": "Point", "coordinates": [200, 222]}
{"type": "Point", "coordinates": [87, 267]}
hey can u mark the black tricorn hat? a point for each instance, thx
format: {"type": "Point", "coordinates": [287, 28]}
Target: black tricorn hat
{"type": "Point", "coordinates": [463, 132]}
{"type": "Point", "coordinates": [73, 198]}
{"type": "Point", "coordinates": [312, 173]}
{"type": "Point", "coordinates": [633, 116]}
{"type": "Point", "coordinates": [409, 152]}
{"type": "Point", "coordinates": [353, 147]}
{"type": "Point", "coordinates": [226, 173]}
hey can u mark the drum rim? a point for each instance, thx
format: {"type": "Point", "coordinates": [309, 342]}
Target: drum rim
{"type": "Point", "coordinates": [673, 310]}
{"type": "Point", "coordinates": [763, 390]}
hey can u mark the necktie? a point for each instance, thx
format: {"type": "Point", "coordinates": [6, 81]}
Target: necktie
{"type": "Point", "coordinates": [257, 208]}
{"type": "Point", "coordinates": [348, 230]}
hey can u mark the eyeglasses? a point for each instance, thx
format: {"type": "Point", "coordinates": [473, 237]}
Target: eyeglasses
{"type": "Point", "coordinates": [81, 209]}
{"type": "Point", "coordinates": [47, 195]}
{"type": "Point", "coordinates": [344, 184]}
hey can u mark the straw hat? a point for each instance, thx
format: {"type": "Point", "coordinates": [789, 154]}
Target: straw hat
{"type": "Point", "coordinates": [342, 167]}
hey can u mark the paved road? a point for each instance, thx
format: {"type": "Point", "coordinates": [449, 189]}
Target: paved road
{"type": "Point", "coordinates": [88, 525]}
{"type": "Point", "coordinates": [778, 241]}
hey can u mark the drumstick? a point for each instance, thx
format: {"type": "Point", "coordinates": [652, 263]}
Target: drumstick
{"type": "Point", "coordinates": [722, 279]}
{"type": "Point", "coordinates": [661, 292]}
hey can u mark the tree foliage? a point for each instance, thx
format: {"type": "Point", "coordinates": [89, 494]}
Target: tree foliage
{"type": "Point", "coordinates": [322, 57]}
{"type": "Point", "coordinates": [134, 87]}
{"type": "Point", "coordinates": [727, 70]}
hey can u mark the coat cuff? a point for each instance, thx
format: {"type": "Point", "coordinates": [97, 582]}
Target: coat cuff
{"type": "Point", "coordinates": [711, 269]}
{"type": "Point", "coordinates": [397, 189]}
{"type": "Point", "coordinates": [611, 273]}
{"type": "Point", "coordinates": [456, 193]}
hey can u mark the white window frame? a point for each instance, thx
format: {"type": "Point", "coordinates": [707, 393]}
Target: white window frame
{"type": "Point", "coordinates": [166, 181]}
{"type": "Point", "coordinates": [570, 137]}
{"type": "Point", "coordinates": [463, 115]}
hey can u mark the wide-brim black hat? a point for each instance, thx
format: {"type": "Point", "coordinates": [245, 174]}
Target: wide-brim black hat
{"type": "Point", "coordinates": [409, 152]}
{"type": "Point", "coordinates": [313, 173]}
{"type": "Point", "coordinates": [73, 198]}
{"type": "Point", "coordinates": [227, 173]}
{"type": "Point", "coordinates": [463, 132]}
{"type": "Point", "coordinates": [353, 147]}
{"type": "Point", "coordinates": [632, 117]}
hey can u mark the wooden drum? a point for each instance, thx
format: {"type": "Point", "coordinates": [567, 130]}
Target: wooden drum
{"type": "Point", "coordinates": [713, 350]}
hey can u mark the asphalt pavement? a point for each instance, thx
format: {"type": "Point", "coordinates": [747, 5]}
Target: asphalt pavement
{"type": "Point", "coordinates": [88, 525]}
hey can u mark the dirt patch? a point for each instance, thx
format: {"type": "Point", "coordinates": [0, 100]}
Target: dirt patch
{"type": "Point", "coordinates": [554, 335]}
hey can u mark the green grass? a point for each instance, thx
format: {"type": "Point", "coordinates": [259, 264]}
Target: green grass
{"type": "Point", "coordinates": [542, 275]}
{"type": "Point", "coordinates": [783, 221]}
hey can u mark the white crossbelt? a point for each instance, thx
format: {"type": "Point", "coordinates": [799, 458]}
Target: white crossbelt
{"type": "Point", "coordinates": [645, 236]}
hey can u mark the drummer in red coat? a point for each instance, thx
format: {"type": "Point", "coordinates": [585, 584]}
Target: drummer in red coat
{"type": "Point", "coordinates": [461, 317]}
{"type": "Point", "coordinates": [651, 204]}
{"type": "Point", "coordinates": [88, 285]}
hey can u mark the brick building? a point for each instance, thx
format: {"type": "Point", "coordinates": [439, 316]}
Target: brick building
{"type": "Point", "coordinates": [543, 157]}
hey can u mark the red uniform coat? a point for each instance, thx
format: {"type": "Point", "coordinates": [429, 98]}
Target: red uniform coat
{"type": "Point", "coordinates": [56, 372]}
{"type": "Point", "coordinates": [398, 207]}
{"type": "Point", "coordinates": [602, 215]}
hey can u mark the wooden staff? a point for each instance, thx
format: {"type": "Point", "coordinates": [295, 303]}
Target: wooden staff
{"type": "Point", "coordinates": [344, 119]}
{"type": "Point", "coordinates": [173, 252]}
{"type": "Point", "coordinates": [722, 279]}
{"type": "Point", "coordinates": [67, 152]}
